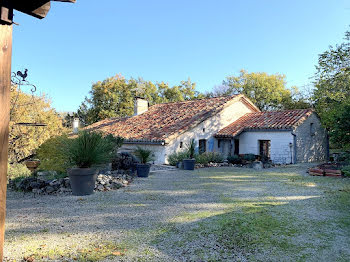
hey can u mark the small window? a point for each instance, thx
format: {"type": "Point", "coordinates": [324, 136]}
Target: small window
{"type": "Point", "coordinates": [181, 144]}
{"type": "Point", "coordinates": [312, 129]}
{"type": "Point", "coordinates": [203, 130]}
{"type": "Point", "coordinates": [219, 143]}
{"type": "Point", "coordinates": [202, 146]}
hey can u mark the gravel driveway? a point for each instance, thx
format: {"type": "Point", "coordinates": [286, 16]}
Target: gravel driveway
{"type": "Point", "coordinates": [214, 214]}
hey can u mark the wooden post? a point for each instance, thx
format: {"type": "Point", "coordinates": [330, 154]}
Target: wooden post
{"type": "Point", "coordinates": [5, 85]}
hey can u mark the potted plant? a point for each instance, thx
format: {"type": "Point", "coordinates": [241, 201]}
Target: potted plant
{"type": "Point", "coordinates": [144, 156]}
{"type": "Point", "coordinates": [32, 165]}
{"type": "Point", "coordinates": [85, 151]}
{"type": "Point", "coordinates": [188, 164]}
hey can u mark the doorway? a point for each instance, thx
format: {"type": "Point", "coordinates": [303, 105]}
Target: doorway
{"type": "Point", "coordinates": [236, 151]}
{"type": "Point", "coordinates": [265, 148]}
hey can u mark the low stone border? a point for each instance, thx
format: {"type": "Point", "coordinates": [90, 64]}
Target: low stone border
{"type": "Point", "coordinates": [112, 180]}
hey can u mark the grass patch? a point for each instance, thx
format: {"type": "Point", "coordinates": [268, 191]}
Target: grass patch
{"type": "Point", "coordinates": [93, 252]}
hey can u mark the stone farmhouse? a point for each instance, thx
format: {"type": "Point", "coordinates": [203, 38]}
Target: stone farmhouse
{"type": "Point", "coordinates": [229, 125]}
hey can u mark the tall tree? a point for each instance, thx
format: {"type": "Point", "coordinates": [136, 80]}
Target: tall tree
{"type": "Point", "coordinates": [332, 90]}
{"type": "Point", "coordinates": [23, 140]}
{"type": "Point", "coordinates": [267, 92]}
{"type": "Point", "coordinates": [114, 97]}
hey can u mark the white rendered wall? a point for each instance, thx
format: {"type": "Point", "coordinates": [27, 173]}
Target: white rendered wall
{"type": "Point", "coordinates": [280, 152]}
{"type": "Point", "coordinates": [211, 126]}
{"type": "Point", "coordinates": [158, 151]}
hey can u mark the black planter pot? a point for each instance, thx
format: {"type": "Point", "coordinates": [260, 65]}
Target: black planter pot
{"type": "Point", "coordinates": [189, 164]}
{"type": "Point", "coordinates": [143, 170]}
{"type": "Point", "coordinates": [82, 180]}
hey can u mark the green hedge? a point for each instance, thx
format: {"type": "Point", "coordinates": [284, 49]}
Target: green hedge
{"type": "Point", "coordinates": [53, 154]}
{"type": "Point", "coordinates": [175, 158]}
{"type": "Point", "coordinates": [346, 171]}
{"type": "Point", "coordinates": [235, 159]}
{"type": "Point", "coordinates": [208, 157]}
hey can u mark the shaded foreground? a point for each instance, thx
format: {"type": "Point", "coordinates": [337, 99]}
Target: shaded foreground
{"type": "Point", "coordinates": [216, 214]}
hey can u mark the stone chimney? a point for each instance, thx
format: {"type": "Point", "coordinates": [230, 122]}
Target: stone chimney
{"type": "Point", "coordinates": [75, 125]}
{"type": "Point", "coordinates": [140, 106]}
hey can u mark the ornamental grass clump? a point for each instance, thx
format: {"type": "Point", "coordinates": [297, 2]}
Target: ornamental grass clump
{"type": "Point", "coordinates": [144, 155]}
{"type": "Point", "coordinates": [91, 148]}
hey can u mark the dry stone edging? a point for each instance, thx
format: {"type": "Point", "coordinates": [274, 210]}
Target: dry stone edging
{"type": "Point", "coordinates": [112, 180]}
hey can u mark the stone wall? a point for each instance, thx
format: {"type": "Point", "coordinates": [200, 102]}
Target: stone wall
{"type": "Point", "coordinates": [312, 145]}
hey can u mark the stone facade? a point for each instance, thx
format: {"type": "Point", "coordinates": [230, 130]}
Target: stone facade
{"type": "Point", "coordinates": [311, 141]}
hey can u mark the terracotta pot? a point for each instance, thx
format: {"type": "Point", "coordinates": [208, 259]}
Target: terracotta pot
{"type": "Point", "coordinates": [32, 165]}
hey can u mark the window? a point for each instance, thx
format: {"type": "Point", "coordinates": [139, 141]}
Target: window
{"type": "Point", "coordinates": [219, 143]}
{"type": "Point", "coordinates": [202, 146]}
{"type": "Point", "coordinates": [312, 129]}
{"type": "Point", "coordinates": [181, 144]}
{"type": "Point", "coordinates": [203, 130]}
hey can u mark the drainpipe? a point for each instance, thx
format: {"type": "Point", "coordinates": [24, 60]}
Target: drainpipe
{"type": "Point", "coordinates": [295, 147]}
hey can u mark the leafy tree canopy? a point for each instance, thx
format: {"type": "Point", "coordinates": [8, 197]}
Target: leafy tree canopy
{"type": "Point", "coordinates": [114, 97]}
{"type": "Point", "coordinates": [332, 91]}
{"type": "Point", "coordinates": [23, 140]}
{"type": "Point", "coordinates": [267, 92]}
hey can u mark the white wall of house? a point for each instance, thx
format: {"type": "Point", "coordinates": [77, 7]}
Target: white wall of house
{"type": "Point", "coordinates": [208, 128]}
{"type": "Point", "coordinates": [158, 151]}
{"type": "Point", "coordinates": [280, 150]}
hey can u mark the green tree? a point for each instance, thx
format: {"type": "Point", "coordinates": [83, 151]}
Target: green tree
{"type": "Point", "coordinates": [114, 97]}
{"type": "Point", "coordinates": [331, 96]}
{"type": "Point", "coordinates": [23, 140]}
{"type": "Point", "coordinates": [267, 92]}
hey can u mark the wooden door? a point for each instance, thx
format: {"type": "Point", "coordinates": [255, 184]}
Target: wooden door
{"type": "Point", "coordinates": [265, 146]}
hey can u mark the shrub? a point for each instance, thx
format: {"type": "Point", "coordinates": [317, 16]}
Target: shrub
{"type": "Point", "coordinates": [144, 155]}
{"type": "Point", "coordinates": [208, 157]}
{"type": "Point", "coordinates": [17, 171]}
{"type": "Point", "coordinates": [344, 157]}
{"type": "Point", "coordinates": [90, 148]}
{"type": "Point", "coordinates": [235, 159]}
{"type": "Point", "coordinates": [175, 158]}
{"type": "Point", "coordinates": [249, 157]}
{"type": "Point", "coordinates": [53, 154]}
{"type": "Point", "coordinates": [346, 171]}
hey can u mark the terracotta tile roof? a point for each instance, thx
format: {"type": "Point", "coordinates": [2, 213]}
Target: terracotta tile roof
{"type": "Point", "coordinates": [163, 120]}
{"type": "Point", "coordinates": [266, 120]}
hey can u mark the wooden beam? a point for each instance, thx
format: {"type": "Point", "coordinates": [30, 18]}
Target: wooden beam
{"type": "Point", "coordinates": [6, 11]}
{"type": "Point", "coordinates": [5, 85]}
{"type": "Point", "coordinates": [36, 8]}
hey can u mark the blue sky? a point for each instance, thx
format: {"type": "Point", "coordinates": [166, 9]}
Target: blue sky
{"type": "Point", "coordinates": [82, 43]}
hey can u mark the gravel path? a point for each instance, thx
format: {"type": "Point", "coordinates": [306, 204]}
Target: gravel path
{"type": "Point", "coordinates": [178, 216]}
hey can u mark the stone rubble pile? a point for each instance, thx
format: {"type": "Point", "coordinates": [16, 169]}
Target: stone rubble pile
{"type": "Point", "coordinates": [38, 185]}
{"type": "Point", "coordinates": [41, 186]}
{"type": "Point", "coordinates": [112, 180]}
